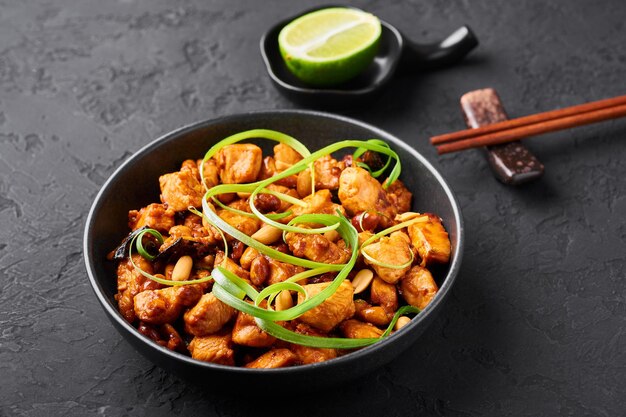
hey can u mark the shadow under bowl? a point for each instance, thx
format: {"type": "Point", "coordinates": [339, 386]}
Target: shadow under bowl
{"type": "Point", "coordinates": [135, 184]}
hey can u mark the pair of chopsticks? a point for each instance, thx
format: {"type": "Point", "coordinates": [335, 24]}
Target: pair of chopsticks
{"type": "Point", "coordinates": [535, 124]}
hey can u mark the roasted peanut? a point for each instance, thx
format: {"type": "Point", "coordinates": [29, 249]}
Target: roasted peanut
{"type": "Point", "coordinates": [289, 182]}
{"type": "Point", "coordinates": [332, 235]}
{"type": "Point", "coordinates": [375, 315]}
{"type": "Point", "coordinates": [366, 220]}
{"type": "Point", "coordinates": [266, 203]}
{"type": "Point", "coordinates": [402, 321]}
{"type": "Point", "coordinates": [304, 185]}
{"type": "Point", "coordinates": [362, 280]}
{"type": "Point", "coordinates": [267, 234]}
{"type": "Point", "coordinates": [259, 270]}
{"type": "Point", "coordinates": [226, 198]}
{"type": "Point", "coordinates": [283, 300]}
{"type": "Point", "coordinates": [182, 269]}
{"type": "Point", "coordinates": [247, 257]}
{"type": "Point", "coordinates": [237, 251]}
{"type": "Point", "coordinates": [243, 196]}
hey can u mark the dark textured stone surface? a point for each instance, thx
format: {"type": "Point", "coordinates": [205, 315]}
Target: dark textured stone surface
{"type": "Point", "coordinates": [537, 321]}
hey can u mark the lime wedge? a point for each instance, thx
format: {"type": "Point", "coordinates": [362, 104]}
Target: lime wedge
{"type": "Point", "coordinates": [330, 46]}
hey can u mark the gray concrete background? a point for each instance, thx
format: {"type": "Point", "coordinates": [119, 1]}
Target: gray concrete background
{"type": "Point", "coordinates": [536, 323]}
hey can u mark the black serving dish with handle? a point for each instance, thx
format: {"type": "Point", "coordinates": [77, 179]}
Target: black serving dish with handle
{"type": "Point", "coordinates": [396, 55]}
{"type": "Point", "coordinates": [135, 184]}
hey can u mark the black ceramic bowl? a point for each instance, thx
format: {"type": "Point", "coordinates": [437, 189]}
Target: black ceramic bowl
{"type": "Point", "coordinates": [135, 184]}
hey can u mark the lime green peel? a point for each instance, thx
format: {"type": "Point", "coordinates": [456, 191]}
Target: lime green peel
{"type": "Point", "coordinates": [330, 46]}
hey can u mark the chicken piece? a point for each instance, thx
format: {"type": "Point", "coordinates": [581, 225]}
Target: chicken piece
{"type": "Point", "coordinates": [418, 287]}
{"type": "Point", "coordinates": [371, 314]}
{"type": "Point", "coordinates": [335, 309]}
{"type": "Point", "coordinates": [285, 156]}
{"type": "Point", "coordinates": [320, 202]}
{"type": "Point", "coordinates": [363, 236]}
{"type": "Point", "coordinates": [130, 283]}
{"type": "Point", "coordinates": [231, 266]}
{"type": "Point", "coordinates": [239, 163]}
{"type": "Point", "coordinates": [214, 348]}
{"type": "Point", "coordinates": [275, 358]}
{"type": "Point", "coordinates": [327, 172]}
{"type": "Point", "coordinates": [316, 248]}
{"type": "Point", "coordinates": [280, 271]}
{"type": "Point", "coordinates": [181, 189]}
{"type": "Point", "coordinates": [203, 273]}
{"type": "Point", "coordinates": [191, 166]}
{"type": "Point", "coordinates": [355, 329]}
{"type": "Point", "coordinates": [208, 316]}
{"type": "Point", "coordinates": [384, 295]}
{"type": "Point", "coordinates": [179, 231]}
{"type": "Point", "coordinates": [392, 250]}
{"type": "Point", "coordinates": [165, 305]}
{"type": "Point", "coordinates": [268, 168]}
{"type": "Point", "coordinates": [210, 172]}
{"type": "Point", "coordinates": [306, 354]}
{"type": "Point", "coordinates": [399, 196]}
{"type": "Point", "coordinates": [155, 216]}
{"type": "Point", "coordinates": [359, 191]}
{"type": "Point", "coordinates": [247, 225]}
{"type": "Point", "coordinates": [431, 240]}
{"type": "Point", "coordinates": [247, 333]}
{"type": "Point", "coordinates": [207, 235]}
{"type": "Point", "coordinates": [165, 335]}
{"type": "Point", "coordinates": [175, 233]}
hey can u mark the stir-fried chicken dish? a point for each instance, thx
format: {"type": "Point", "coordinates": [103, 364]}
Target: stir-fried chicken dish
{"type": "Point", "coordinates": [279, 260]}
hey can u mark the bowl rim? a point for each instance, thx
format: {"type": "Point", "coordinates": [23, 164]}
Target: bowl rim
{"type": "Point", "coordinates": [114, 314]}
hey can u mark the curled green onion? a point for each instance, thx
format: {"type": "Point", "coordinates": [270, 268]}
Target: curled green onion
{"type": "Point", "coordinates": [237, 292]}
{"type": "Point", "coordinates": [375, 261]}
{"type": "Point", "coordinates": [140, 248]}
{"type": "Point", "coordinates": [162, 281]}
{"type": "Point", "coordinates": [401, 311]}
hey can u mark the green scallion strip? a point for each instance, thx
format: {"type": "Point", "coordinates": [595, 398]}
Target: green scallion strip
{"type": "Point", "coordinates": [276, 216]}
{"type": "Point", "coordinates": [254, 134]}
{"type": "Point", "coordinates": [312, 341]}
{"type": "Point", "coordinates": [420, 219]}
{"type": "Point", "coordinates": [221, 276]}
{"type": "Point", "coordinates": [266, 250]}
{"type": "Point", "coordinates": [140, 249]}
{"type": "Point", "coordinates": [302, 164]}
{"type": "Point", "coordinates": [312, 168]}
{"type": "Point", "coordinates": [155, 278]}
{"type": "Point", "coordinates": [386, 265]}
{"type": "Point", "coordinates": [401, 311]}
{"type": "Point", "coordinates": [277, 288]}
{"type": "Point", "coordinates": [361, 151]}
{"type": "Point", "coordinates": [387, 231]}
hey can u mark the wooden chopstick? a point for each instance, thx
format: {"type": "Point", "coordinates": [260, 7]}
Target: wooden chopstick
{"type": "Point", "coordinates": [516, 133]}
{"type": "Point", "coordinates": [528, 120]}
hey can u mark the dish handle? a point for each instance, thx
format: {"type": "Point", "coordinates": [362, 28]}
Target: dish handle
{"type": "Point", "coordinates": [452, 49]}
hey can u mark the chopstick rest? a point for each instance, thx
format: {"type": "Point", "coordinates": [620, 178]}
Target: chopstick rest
{"type": "Point", "coordinates": [512, 163]}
